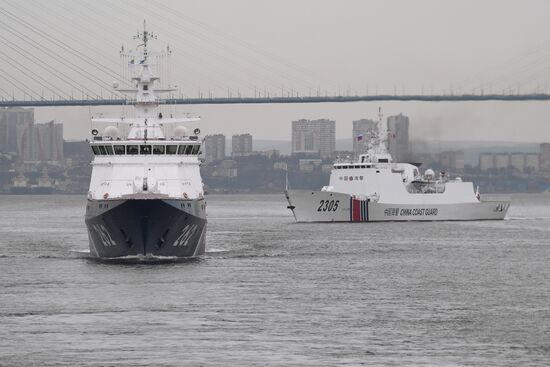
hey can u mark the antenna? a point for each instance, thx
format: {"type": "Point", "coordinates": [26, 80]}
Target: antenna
{"type": "Point", "coordinates": [382, 131]}
{"type": "Point", "coordinates": [145, 36]}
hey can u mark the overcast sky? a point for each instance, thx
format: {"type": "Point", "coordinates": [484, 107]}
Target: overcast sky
{"type": "Point", "coordinates": [306, 47]}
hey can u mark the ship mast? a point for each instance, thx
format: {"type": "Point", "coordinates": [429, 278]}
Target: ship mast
{"type": "Point", "coordinates": [148, 121]}
{"type": "Point", "coordinates": [146, 101]}
{"type": "Point", "coordinates": [145, 36]}
{"type": "Point", "coordinates": [379, 144]}
{"type": "Point", "coordinates": [382, 133]}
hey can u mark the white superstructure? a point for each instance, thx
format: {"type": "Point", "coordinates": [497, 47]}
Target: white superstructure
{"type": "Point", "coordinates": [129, 166]}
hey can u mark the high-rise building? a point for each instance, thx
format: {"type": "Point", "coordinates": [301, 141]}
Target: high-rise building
{"type": "Point", "coordinates": [51, 141]}
{"type": "Point", "coordinates": [502, 160]}
{"type": "Point", "coordinates": [241, 145]}
{"type": "Point", "coordinates": [522, 162]}
{"type": "Point", "coordinates": [314, 137]}
{"type": "Point", "coordinates": [545, 157]}
{"type": "Point", "coordinates": [40, 142]}
{"type": "Point", "coordinates": [486, 161]}
{"type": "Point", "coordinates": [32, 142]}
{"type": "Point", "coordinates": [214, 147]}
{"type": "Point", "coordinates": [398, 138]}
{"type": "Point", "coordinates": [532, 162]}
{"type": "Point", "coordinates": [517, 161]}
{"type": "Point", "coordinates": [9, 119]}
{"type": "Point", "coordinates": [452, 161]}
{"type": "Point", "coordinates": [361, 134]}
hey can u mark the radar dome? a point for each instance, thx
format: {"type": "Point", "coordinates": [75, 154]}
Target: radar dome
{"type": "Point", "coordinates": [111, 132]}
{"type": "Point", "coordinates": [180, 132]}
{"type": "Point", "coordinates": [429, 174]}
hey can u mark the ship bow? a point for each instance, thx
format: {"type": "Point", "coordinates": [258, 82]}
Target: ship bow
{"type": "Point", "coordinates": [157, 227]}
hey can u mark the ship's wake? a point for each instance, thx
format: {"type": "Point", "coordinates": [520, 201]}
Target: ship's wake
{"type": "Point", "coordinates": [144, 259]}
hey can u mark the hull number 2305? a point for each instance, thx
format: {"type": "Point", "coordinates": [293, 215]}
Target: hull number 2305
{"type": "Point", "coordinates": [328, 205]}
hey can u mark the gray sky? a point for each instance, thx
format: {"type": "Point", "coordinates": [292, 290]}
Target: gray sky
{"type": "Point", "coordinates": [350, 46]}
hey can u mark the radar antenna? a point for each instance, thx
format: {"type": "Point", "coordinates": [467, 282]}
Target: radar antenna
{"type": "Point", "coordinates": [145, 36]}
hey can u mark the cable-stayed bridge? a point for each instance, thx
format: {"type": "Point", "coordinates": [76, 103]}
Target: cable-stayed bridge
{"type": "Point", "coordinates": [68, 53]}
{"type": "Point", "coordinates": [281, 100]}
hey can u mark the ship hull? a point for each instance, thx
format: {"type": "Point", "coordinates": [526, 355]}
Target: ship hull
{"type": "Point", "coordinates": [155, 228]}
{"type": "Point", "coordinates": [325, 206]}
{"type": "Point", "coordinates": [21, 191]}
{"type": "Point", "coordinates": [42, 190]}
{"type": "Point", "coordinates": [31, 190]}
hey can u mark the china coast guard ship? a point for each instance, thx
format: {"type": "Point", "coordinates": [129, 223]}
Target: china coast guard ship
{"type": "Point", "coordinates": [376, 189]}
{"type": "Point", "coordinates": [146, 192]}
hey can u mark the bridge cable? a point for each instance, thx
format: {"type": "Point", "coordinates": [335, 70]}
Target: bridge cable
{"type": "Point", "coordinates": [46, 13]}
{"type": "Point", "coordinates": [65, 62]}
{"type": "Point", "coordinates": [65, 46]}
{"type": "Point", "coordinates": [6, 93]}
{"type": "Point", "coordinates": [51, 69]}
{"type": "Point", "coordinates": [112, 29]}
{"type": "Point", "coordinates": [197, 46]}
{"type": "Point", "coordinates": [7, 77]}
{"type": "Point", "coordinates": [237, 62]}
{"type": "Point", "coordinates": [35, 77]}
{"type": "Point", "coordinates": [202, 61]}
{"type": "Point", "coordinates": [254, 49]}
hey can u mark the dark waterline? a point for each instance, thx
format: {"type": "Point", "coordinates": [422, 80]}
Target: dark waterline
{"type": "Point", "coordinates": [273, 292]}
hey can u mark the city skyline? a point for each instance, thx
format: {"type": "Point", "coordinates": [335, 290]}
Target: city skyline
{"type": "Point", "coordinates": [432, 121]}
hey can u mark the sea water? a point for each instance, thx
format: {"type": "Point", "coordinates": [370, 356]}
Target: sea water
{"type": "Point", "coordinates": [273, 292]}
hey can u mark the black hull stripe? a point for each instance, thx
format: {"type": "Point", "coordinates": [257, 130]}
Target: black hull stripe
{"type": "Point", "coordinates": [146, 227]}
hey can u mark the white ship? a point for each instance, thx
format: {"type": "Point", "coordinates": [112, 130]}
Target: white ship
{"type": "Point", "coordinates": [146, 192]}
{"type": "Point", "coordinates": [20, 185]}
{"type": "Point", "coordinates": [45, 185]}
{"type": "Point", "coordinates": [376, 189]}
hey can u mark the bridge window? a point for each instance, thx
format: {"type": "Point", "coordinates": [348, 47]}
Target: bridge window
{"type": "Point", "coordinates": [191, 149]}
{"type": "Point", "coordinates": [109, 149]}
{"type": "Point", "coordinates": [171, 149]}
{"type": "Point", "coordinates": [131, 149]}
{"type": "Point", "coordinates": [119, 149]}
{"type": "Point", "coordinates": [102, 150]}
{"type": "Point", "coordinates": [95, 149]}
{"type": "Point", "coordinates": [158, 149]}
{"type": "Point", "coordinates": [145, 87]}
{"type": "Point", "coordinates": [144, 149]}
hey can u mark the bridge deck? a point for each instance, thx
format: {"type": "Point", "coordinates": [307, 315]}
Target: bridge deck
{"type": "Point", "coordinates": [267, 100]}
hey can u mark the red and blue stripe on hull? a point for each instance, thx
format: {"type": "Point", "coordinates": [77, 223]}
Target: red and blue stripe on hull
{"type": "Point", "coordinates": [359, 210]}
